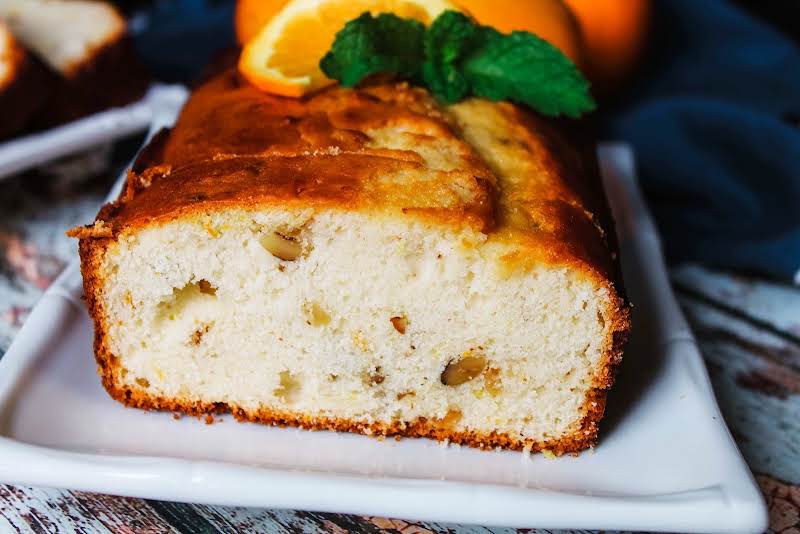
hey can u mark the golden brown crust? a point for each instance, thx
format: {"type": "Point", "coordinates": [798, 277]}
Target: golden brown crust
{"type": "Point", "coordinates": [219, 122]}
{"type": "Point", "coordinates": [312, 152]}
{"type": "Point", "coordinates": [420, 428]}
{"type": "Point", "coordinates": [234, 146]}
{"type": "Point", "coordinates": [351, 181]}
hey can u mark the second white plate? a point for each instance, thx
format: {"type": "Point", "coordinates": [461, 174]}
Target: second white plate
{"type": "Point", "coordinates": [22, 153]}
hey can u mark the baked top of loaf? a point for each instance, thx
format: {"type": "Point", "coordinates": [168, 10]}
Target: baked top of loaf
{"type": "Point", "coordinates": [365, 260]}
{"type": "Point", "coordinates": [386, 146]}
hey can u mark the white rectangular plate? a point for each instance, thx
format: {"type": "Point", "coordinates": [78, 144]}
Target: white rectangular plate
{"type": "Point", "coordinates": [665, 461]}
{"type": "Point", "coordinates": [22, 153]}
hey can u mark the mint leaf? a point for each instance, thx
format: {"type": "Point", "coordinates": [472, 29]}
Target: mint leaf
{"type": "Point", "coordinates": [456, 58]}
{"type": "Point", "coordinates": [524, 68]}
{"type": "Point", "coordinates": [369, 45]}
{"type": "Point", "coordinates": [463, 58]}
{"type": "Point", "coordinates": [451, 37]}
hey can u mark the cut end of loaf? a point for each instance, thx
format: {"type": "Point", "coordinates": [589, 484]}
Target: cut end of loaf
{"type": "Point", "coordinates": [64, 35]}
{"type": "Point", "coordinates": [341, 320]}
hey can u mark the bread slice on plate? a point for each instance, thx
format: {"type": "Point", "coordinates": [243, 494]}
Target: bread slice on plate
{"type": "Point", "coordinates": [22, 85]}
{"type": "Point", "coordinates": [362, 260]}
{"type": "Point", "coordinates": [85, 44]}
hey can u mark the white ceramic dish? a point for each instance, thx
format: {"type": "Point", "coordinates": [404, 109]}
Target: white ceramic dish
{"type": "Point", "coordinates": [22, 153]}
{"type": "Point", "coordinates": [665, 462]}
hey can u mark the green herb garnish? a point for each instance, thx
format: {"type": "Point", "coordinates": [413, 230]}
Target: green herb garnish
{"type": "Point", "coordinates": [451, 38]}
{"type": "Point", "coordinates": [368, 45]}
{"type": "Point", "coordinates": [456, 58]}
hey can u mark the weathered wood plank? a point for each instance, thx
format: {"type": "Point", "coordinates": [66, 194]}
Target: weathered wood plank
{"type": "Point", "coordinates": [33, 248]}
{"type": "Point", "coordinates": [46, 510]}
{"type": "Point", "coordinates": [776, 304]}
{"type": "Point", "coordinates": [253, 521]}
{"type": "Point", "coordinates": [182, 517]}
{"type": "Point", "coordinates": [749, 333]}
{"type": "Point", "coordinates": [757, 382]}
{"type": "Point", "coordinates": [783, 501]}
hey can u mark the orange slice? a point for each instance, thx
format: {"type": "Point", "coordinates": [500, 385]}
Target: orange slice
{"type": "Point", "coordinates": [283, 57]}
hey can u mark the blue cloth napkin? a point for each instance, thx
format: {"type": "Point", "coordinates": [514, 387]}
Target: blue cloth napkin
{"type": "Point", "coordinates": [176, 39]}
{"type": "Point", "coordinates": [718, 160]}
{"type": "Point", "coordinates": [710, 116]}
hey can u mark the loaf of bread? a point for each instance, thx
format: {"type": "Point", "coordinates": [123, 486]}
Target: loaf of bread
{"type": "Point", "coordinates": [84, 48]}
{"type": "Point", "coordinates": [22, 85]}
{"type": "Point", "coordinates": [362, 260]}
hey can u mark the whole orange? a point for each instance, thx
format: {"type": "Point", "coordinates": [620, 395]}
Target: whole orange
{"type": "Point", "coordinates": [251, 15]}
{"type": "Point", "coordinates": [614, 32]}
{"type": "Point", "coordinates": [549, 19]}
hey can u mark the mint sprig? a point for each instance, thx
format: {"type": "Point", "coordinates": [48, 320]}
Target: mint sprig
{"type": "Point", "coordinates": [451, 37]}
{"type": "Point", "coordinates": [369, 45]}
{"type": "Point", "coordinates": [456, 58]}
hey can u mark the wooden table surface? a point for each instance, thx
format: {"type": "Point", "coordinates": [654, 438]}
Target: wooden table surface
{"type": "Point", "coordinates": [748, 330]}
